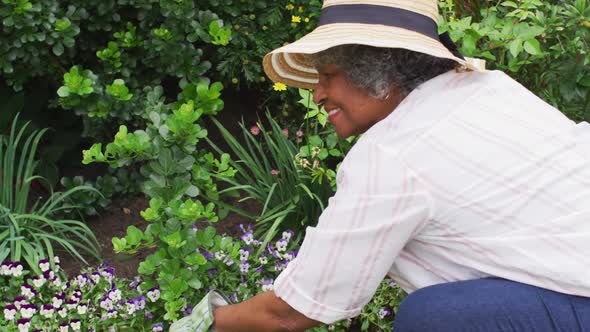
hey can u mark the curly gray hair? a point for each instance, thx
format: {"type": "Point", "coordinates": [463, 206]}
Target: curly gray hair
{"type": "Point", "coordinates": [376, 69]}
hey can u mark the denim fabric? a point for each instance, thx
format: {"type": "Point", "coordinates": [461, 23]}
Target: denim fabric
{"type": "Point", "coordinates": [491, 305]}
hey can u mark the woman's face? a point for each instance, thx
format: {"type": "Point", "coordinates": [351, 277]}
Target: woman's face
{"type": "Point", "coordinates": [351, 110]}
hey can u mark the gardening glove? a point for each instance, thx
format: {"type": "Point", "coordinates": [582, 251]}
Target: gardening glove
{"type": "Point", "coordinates": [201, 319]}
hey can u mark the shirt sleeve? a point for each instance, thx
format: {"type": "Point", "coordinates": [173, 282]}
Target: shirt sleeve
{"type": "Point", "coordinates": [378, 207]}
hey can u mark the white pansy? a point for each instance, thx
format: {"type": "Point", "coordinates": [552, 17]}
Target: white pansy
{"type": "Point", "coordinates": [9, 314]}
{"type": "Point", "coordinates": [82, 309]}
{"type": "Point", "coordinates": [24, 327]}
{"type": "Point", "coordinates": [39, 281]}
{"type": "Point", "coordinates": [153, 295]}
{"type": "Point", "coordinates": [75, 325]}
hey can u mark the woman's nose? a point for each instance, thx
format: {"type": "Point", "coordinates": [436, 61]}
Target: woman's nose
{"type": "Point", "coordinates": [319, 94]}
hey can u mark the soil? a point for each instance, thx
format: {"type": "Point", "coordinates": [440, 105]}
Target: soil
{"type": "Point", "coordinates": [113, 222]}
{"type": "Point", "coordinates": [125, 212]}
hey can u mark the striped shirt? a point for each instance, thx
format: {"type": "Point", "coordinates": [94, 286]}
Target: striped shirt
{"type": "Point", "coordinates": [471, 176]}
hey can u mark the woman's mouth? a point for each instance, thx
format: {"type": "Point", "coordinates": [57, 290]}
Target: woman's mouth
{"type": "Point", "coordinates": [333, 114]}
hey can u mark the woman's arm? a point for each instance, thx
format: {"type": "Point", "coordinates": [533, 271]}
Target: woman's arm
{"type": "Point", "coordinates": [264, 312]}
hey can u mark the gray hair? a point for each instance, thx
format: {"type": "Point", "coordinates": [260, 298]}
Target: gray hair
{"type": "Point", "coordinates": [376, 69]}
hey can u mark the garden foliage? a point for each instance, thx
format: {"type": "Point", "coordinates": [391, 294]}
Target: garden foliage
{"type": "Point", "coordinates": [147, 72]}
{"type": "Point", "coordinates": [545, 45]}
{"type": "Point", "coordinates": [29, 230]}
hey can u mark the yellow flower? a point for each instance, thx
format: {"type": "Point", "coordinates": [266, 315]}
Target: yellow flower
{"type": "Point", "coordinates": [279, 86]}
{"type": "Point", "coordinates": [290, 6]}
{"type": "Point", "coordinates": [306, 20]}
{"type": "Point", "coordinates": [300, 9]}
{"type": "Point", "coordinates": [296, 19]}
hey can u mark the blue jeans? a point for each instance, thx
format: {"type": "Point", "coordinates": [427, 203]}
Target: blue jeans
{"type": "Point", "coordinates": [491, 305]}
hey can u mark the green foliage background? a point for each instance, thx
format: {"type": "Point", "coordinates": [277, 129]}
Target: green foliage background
{"type": "Point", "coordinates": [140, 77]}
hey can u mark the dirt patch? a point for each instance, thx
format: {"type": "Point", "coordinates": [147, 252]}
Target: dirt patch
{"type": "Point", "coordinates": [113, 222]}
{"type": "Point", "coordinates": [124, 212]}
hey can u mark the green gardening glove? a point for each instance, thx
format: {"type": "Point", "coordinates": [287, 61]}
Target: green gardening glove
{"type": "Point", "coordinates": [201, 319]}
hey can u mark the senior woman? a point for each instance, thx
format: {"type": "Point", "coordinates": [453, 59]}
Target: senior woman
{"type": "Point", "coordinates": [468, 190]}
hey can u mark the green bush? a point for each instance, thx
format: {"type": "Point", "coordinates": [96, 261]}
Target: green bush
{"type": "Point", "coordinates": [542, 44]}
{"type": "Point", "coordinates": [174, 173]}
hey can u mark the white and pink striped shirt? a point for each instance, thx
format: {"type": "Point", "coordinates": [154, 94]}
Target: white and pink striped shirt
{"type": "Point", "coordinates": [471, 176]}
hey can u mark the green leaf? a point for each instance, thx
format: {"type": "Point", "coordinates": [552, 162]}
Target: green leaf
{"type": "Point", "coordinates": [532, 47]}
{"type": "Point", "coordinates": [585, 81]}
{"type": "Point", "coordinates": [58, 49]}
{"type": "Point", "coordinates": [63, 91]}
{"type": "Point", "coordinates": [195, 283]}
{"type": "Point", "coordinates": [119, 244]}
{"type": "Point", "coordinates": [515, 47]}
{"type": "Point", "coordinates": [148, 266]}
{"type": "Point", "coordinates": [134, 235]}
{"type": "Point", "coordinates": [509, 4]}
{"type": "Point", "coordinates": [195, 259]}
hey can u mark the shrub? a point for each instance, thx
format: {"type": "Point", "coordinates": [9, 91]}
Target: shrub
{"type": "Point", "coordinates": [542, 44]}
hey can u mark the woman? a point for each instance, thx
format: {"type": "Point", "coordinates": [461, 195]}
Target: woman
{"type": "Point", "coordinates": [465, 188]}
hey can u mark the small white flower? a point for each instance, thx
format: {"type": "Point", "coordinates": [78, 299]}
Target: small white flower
{"type": "Point", "coordinates": [26, 292]}
{"type": "Point", "coordinates": [263, 260]}
{"type": "Point", "coordinates": [106, 304]}
{"type": "Point", "coordinates": [219, 255]}
{"type": "Point", "coordinates": [248, 238]}
{"type": "Point", "coordinates": [24, 327]}
{"type": "Point", "coordinates": [82, 309]}
{"type": "Point", "coordinates": [112, 313]}
{"type": "Point", "coordinates": [287, 235]}
{"type": "Point", "coordinates": [63, 312]}
{"type": "Point", "coordinates": [27, 312]}
{"type": "Point", "coordinates": [46, 312]}
{"type": "Point", "coordinates": [153, 294]}
{"type": "Point", "coordinates": [64, 328]}
{"type": "Point", "coordinates": [75, 325]}
{"type": "Point", "coordinates": [9, 313]}
{"type": "Point", "coordinates": [130, 308]}
{"type": "Point", "coordinates": [56, 259]}
{"type": "Point", "coordinates": [228, 261]}
{"type": "Point", "coordinates": [115, 295]}
{"type": "Point", "coordinates": [5, 269]}
{"type": "Point", "coordinates": [267, 287]}
{"type": "Point", "coordinates": [281, 245]}
{"type": "Point", "coordinates": [56, 302]}
{"type": "Point", "coordinates": [39, 281]}
{"type": "Point", "coordinates": [16, 271]}
{"type": "Point", "coordinates": [244, 267]}
{"type": "Point", "coordinates": [244, 254]}
{"type": "Point", "coordinates": [95, 277]}
{"type": "Point", "coordinates": [44, 266]}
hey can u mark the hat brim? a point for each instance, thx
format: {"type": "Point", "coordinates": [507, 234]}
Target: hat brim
{"type": "Point", "coordinates": [290, 65]}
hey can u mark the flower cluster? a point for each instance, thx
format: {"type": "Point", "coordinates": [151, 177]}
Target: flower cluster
{"type": "Point", "coordinates": [91, 301]}
{"type": "Point", "coordinates": [257, 264]}
{"type": "Point", "coordinates": [12, 269]}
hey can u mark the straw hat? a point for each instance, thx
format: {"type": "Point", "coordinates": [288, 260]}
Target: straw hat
{"type": "Point", "coordinates": [408, 24]}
